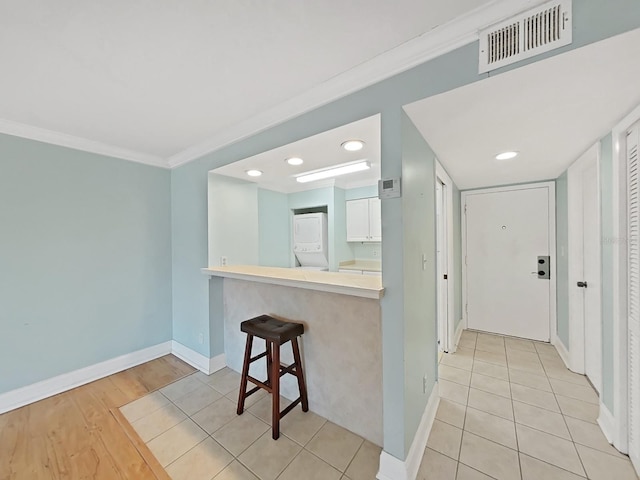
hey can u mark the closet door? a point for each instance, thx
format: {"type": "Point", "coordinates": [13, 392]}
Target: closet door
{"type": "Point", "coordinates": [633, 269]}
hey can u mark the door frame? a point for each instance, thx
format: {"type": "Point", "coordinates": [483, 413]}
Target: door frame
{"type": "Point", "coordinates": [577, 328]}
{"type": "Point", "coordinates": [551, 190]}
{"type": "Point", "coordinates": [450, 337]}
{"type": "Point", "coordinates": [615, 425]}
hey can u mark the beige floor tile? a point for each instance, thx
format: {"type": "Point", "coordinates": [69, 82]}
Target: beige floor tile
{"type": "Point", "coordinates": [534, 367]}
{"type": "Point", "coordinates": [263, 411]}
{"type": "Point", "coordinates": [578, 409]}
{"type": "Point", "coordinates": [239, 433]}
{"type": "Point", "coordinates": [308, 466]}
{"type": "Point", "coordinates": [534, 469]}
{"type": "Point", "coordinates": [491, 385]}
{"type": "Point", "coordinates": [216, 415]}
{"type": "Point", "coordinates": [453, 374]}
{"type": "Point", "coordinates": [235, 471]}
{"type": "Point", "coordinates": [489, 357]}
{"type": "Point", "coordinates": [545, 348]}
{"type": "Point", "coordinates": [366, 463]}
{"type": "Point", "coordinates": [453, 391]}
{"type": "Point", "coordinates": [590, 434]}
{"type": "Point", "coordinates": [202, 462]}
{"type": "Point", "coordinates": [457, 360]}
{"type": "Point", "coordinates": [490, 458]}
{"type": "Point", "coordinates": [490, 403]}
{"type": "Point", "coordinates": [435, 466]}
{"type": "Point", "coordinates": [567, 376]}
{"type": "Point", "coordinates": [335, 445]}
{"type": "Point", "coordinates": [530, 380]}
{"type": "Point", "coordinates": [520, 344]}
{"type": "Point", "coordinates": [225, 381]}
{"type": "Point", "coordinates": [489, 426]}
{"type": "Point", "coordinates": [552, 363]}
{"type": "Point", "coordinates": [183, 386]}
{"type": "Point", "coordinates": [469, 334]}
{"type": "Point", "coordinates": [301, 426]}
{"type": "Point", "coordinates": [602, 466]}
{"type": "Point", "coordinates": [468, 473]}
{"type": "Point", "coordinates": [549, 448]}
{"type": "Point", "coordinates": [490, 338]}
{"type": "Point", "coordinates": [445, 439]}
{"type": "Point", "coordinates": [521, 356]}
{"type": "Point", "coordinates": [534, 397]}
{"type": "Point", "coordinates": [267, 458]}
{"type": "Point", "coordinates": [491, 370]}
{"type": "Point", "coordinates": [467, 343]}
{"type": "Point", "coordinates": [158, 422]}
{"type": "Point", "coordinates": [490, 347]}
{"type": "Point", "coordinates": [144, 406]}
{"type": "Point", "coordinates": [571, 390]}
{"type": "Point", "coordinates": [176, 441]}
{"type": "Point", "coordinates": [540, 419]}
{"type": "Point", "coordinates": [451, 412]}
{"type": "Point", "coordinates": [195, 401]}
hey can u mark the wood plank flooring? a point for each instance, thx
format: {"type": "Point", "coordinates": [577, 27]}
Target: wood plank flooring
{"type": "Point", "coordinates": [74, 435]}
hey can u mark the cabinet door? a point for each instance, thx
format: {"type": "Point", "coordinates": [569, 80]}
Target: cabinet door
{"type": "Point", "coordinates": [375, 220]}
{"type": "Point", "coordinates": [358, 220]}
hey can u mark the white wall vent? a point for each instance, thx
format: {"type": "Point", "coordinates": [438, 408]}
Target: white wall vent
{"type": "Point", "coordinates": [530, 33]}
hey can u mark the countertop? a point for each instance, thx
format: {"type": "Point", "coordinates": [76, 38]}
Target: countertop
{"type": "Point", "coordinates": [333, 282]}
{"type": "Point", "coordinates": [369, 265]}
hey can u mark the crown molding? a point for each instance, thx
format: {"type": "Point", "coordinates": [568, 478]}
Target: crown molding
{"type": "Point", "coordinates": [77, 143]}
{"type": "Point", "coordinates": [439, 41]}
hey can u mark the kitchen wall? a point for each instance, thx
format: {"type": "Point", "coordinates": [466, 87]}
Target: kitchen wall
{"type": "Point", "coordinates": [274, 227]}
{"type": "Point", "coordinates": [85, 259]}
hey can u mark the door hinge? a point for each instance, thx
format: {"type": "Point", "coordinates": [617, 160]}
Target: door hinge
{"type": "Point", "coordinates": [465, 208]}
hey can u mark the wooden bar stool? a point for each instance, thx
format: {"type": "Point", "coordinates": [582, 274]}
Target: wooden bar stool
{"type": "Point", "coordinates": [275, 333]}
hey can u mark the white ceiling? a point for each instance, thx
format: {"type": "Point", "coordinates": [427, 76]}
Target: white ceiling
{"type": "Point", "coordinates": [318, 152]}
{"type": "Point", "coordinates": [550, 111]}
{"type": "Point", "coordinates": [149, 79]}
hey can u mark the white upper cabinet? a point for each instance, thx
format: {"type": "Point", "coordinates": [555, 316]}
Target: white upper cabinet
{"type": "Point", "coordinates": [364, 220]}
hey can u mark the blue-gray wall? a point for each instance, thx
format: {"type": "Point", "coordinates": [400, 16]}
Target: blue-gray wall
{"type": "Point", "coordinates": [274, 228]}
{"type": "Point", "coordinates": [562, 262]}
{"type": "Point", "coordinates": [85, 259]}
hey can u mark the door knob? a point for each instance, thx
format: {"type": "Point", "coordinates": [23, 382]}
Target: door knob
{"type": "Point", "coordinates": [582, 284]}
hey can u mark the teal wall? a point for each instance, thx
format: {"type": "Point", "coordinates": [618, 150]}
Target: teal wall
{"type": "Point", "coordinates": [420, 292]}
{"type": "Point", "coordinates": [593, 21]}
{"type": "Point", "coordinates": [274, 227]}
{"type": "Point", "coordinates": [457, 256]}
{"type": "Point", "coordinates": [606, 225]}
{"type": "Point", "coordinates": [85, 256]}
{"type": "Point", "coordinates": [562, 262]}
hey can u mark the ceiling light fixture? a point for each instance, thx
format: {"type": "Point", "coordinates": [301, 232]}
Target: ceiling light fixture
{"type": "Point", "coordinates": [506, 155]}
{"type": "Point", "coordinates": [254, 173]}
{"type": "Point", "coordinates": [294, 161]}
{"type": "Point", "coordinates": [333, 171]}
{"type": "Point", "coordinates": [353, 145]}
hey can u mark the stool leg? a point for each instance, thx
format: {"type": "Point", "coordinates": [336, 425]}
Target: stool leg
{"type": "Point", "coordinates": [245, 373]}
{"type": "Point", "coordinates": [269, 361]}
{"type": "Point", "coordinates": [302, 386]}
{"type": "Point", "coordinates": [275, 391]}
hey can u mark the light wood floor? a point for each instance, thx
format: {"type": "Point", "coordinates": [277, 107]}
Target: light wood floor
{"type": "Point", "coordinates": [74, 435]}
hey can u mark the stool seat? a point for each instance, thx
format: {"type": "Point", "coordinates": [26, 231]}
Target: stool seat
{"type": "Point", "coordinates": [270, 328]}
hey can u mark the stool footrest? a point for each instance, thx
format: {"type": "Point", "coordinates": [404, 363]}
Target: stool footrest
{"type": "Point", "coordinates": [290, 407]}
{"type": "Point", "coordinates": [258, 357]}
{"type": "Point", "coordinates": [259, 384]}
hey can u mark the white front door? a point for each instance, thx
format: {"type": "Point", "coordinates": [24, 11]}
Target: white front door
{"type": "Point", "coordinates": [506, 231]}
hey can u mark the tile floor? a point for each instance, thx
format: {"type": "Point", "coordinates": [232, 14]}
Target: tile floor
{"type": "Point", "coordinates": [509, 409]}
{"type": "Point", "coordinates": [192, 428]}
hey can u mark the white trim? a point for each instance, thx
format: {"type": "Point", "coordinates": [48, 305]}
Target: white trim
{"type": "Point", "coordinates": [562, 351]}
{"type": "Point", "coordinates": [61, 383]}
{"type": "Point", "coordinates": [620, 347]}
{"type": "Point", "coordinates": [459, 329]}
{"type": "Point", "coordinates": [439, 41]}
{"type": "Point", "coordinates": [217, 363]}
{"type": "Point", "coordinates": [205, 364]}
{"type": "Point", "coordinates": [606, 422]}
{"type": "Point", "coordinates": [393, 469]}
{"type": "Point", "coordinates": [553, 321]}
{"type": "Point", "coordinates": [77, 143]}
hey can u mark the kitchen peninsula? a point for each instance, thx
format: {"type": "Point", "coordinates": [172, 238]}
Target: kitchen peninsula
{"type": "Point", "coordinates": [341, 346]}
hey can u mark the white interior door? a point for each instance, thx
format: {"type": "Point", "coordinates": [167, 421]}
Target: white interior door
{"type": "Point", "coordinates": [633, 269]}
{"type": "Point", "coordinates": [591, 271]}
{"type": "Point", "coordinates": [506, 231]}
{"type": "Point", "coordinates": [442, 256]}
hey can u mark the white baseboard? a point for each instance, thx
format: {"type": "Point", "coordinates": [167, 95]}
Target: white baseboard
{"type": "Point", "coordinates": [205, 364]}
{"type": "Point", "coordinates": [562, 351]}
{"type": "Point", "coordinates": [607, 423]}
{"type": "Point", "coordinates": [217, 363]}
{"type": "Point", "coordinates": [61, 383]}
{"type": "Point", "coordinates": [393, 469]}
{"type": "Point", "coordinates": [457, 335]}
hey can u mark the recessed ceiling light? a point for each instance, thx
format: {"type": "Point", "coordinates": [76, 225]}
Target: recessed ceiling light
{"type": "Point", "coordinates": [353, 145]}
{"type": "Point", "coordinates": [254, 173]}
{"type": "Point", "coordinates": [333, 171]}
{"type": "Point", "coordinates": [506, 155]}
{"type": "Point", "coordinates": [294, 161]}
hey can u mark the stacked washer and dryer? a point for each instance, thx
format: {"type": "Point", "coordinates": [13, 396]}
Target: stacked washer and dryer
{"type": "Point", "coordinates": [310, 241]}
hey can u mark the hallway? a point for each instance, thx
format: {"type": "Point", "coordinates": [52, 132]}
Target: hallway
{"type": "Point", "coordinates": [510, 409]}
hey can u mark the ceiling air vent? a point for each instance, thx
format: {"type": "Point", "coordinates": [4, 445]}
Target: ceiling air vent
{"type": "Point", "coordinates": [533, 32]}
